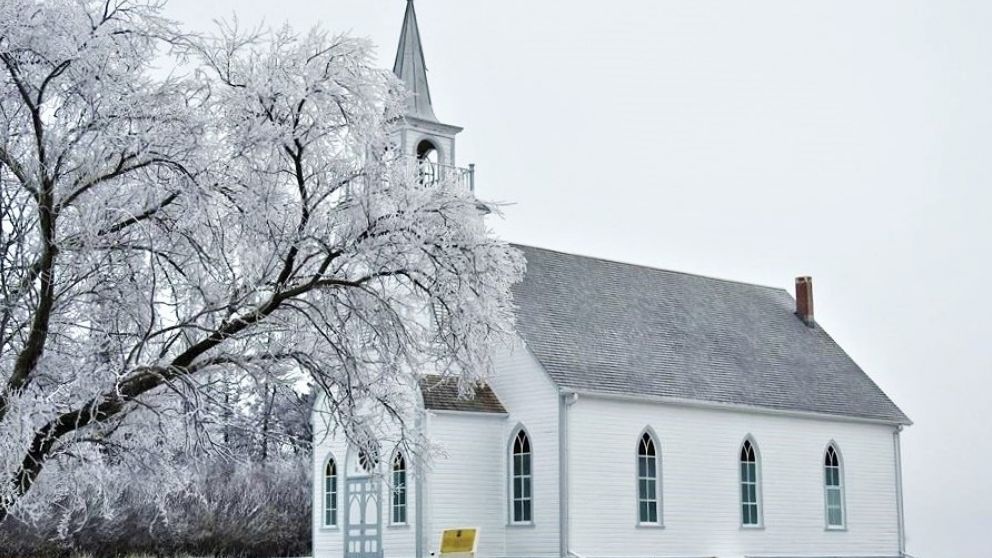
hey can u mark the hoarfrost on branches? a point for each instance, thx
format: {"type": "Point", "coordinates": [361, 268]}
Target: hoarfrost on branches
{"type": "Point", "coordinates": [239, 223]}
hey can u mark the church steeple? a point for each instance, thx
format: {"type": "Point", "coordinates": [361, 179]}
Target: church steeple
{"type": "Point", "coordinates": [420, 136]}
{"type": "Point", "coordinates": [411, 68]}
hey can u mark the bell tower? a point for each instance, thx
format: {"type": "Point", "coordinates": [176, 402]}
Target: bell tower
{"type": "Point", "coordinates": [421, 136]}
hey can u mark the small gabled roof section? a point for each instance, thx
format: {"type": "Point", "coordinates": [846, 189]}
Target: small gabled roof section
{"type": "Point", "coordinates": [602, 326]}
{"type": "Point", "coordinates": [441, 394]}
{"type": "Point", "coordinates": [411, 68]}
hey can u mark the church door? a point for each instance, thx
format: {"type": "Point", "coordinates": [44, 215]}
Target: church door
{"type": "Point", "coordinates": [362, 529]}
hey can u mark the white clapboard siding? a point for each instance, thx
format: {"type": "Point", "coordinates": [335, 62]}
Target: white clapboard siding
{"type": "Point", "coordinates": [464, 486]}
{"type": "Point", "coordinates": [532, 401]}
{"type": "Point", "coordinates": [399, 540]}
{"type": "Point", "coordinates": [699, 449]}
{"type": "Point", "coordinates": [327, 542]}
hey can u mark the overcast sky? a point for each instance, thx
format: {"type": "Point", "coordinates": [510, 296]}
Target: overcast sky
{"type": "Point", "coordinates": [759, 140]}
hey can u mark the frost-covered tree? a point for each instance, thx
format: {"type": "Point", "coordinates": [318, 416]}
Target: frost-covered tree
{"type": "Point", "coordinates": [181, 215]}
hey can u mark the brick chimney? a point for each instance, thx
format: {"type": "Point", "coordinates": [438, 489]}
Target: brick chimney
{"type": "Point", "coordinates": [804, 300]}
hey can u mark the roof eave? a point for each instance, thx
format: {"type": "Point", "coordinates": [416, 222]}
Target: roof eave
{"type": "Point", "coordinates": [434, 125]}
{"type": "Point", "coordinates": [739, 407]}
{"type": "Point", "coordinates": [494, 414]}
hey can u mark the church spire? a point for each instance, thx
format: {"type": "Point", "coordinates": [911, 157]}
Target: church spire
{"type": "Point", "coordinates": [419, 135]}
{"type": "Point", "coordinates": [411, 69]}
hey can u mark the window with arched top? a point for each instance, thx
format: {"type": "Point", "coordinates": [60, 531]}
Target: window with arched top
{"type": "Point", "coordinates": [330, 493]}
{"type": "Point", "coordinates": [399, 492]}
{"type": "Point", "coordinates": [833, 488]}
{"type": "Point", "coordinates": [750, 485]}
{"type": "Point", "coordinates": [648, 485]}
{"type": "Point", "coordinates": [521, 479]}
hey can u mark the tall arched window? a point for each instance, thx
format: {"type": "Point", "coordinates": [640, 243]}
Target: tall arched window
{"type": "Point", "coordinates": [330, 493]}
{"type": "Point", "coordinates": [648, 487]}
{"type": "Point", "coordinates": [833, 486]}
{"type": "Point", "coordinates": [398, 504]}
{"type": "Point", "coordinates": [521, 489]}
{"type": "Point", "coordinates": [750, 486]}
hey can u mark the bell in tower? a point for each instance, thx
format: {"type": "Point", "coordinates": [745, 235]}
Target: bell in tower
{"type": "Point", "coordinates": [422, 137]}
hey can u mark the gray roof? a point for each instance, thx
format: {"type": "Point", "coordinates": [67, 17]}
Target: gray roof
{"type": "Point", "coordinates": [411, 68]}
{"type": "Point", "coordinates": [441, 394]}
{"type": "Point", "coordinates": [609, 327]}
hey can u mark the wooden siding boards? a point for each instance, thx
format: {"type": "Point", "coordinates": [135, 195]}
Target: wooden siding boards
{"type": "Point", "coordinates": [532, 401]}
{"type": "Point", "coordinates": [400, 540]}
{"type": "Point", "coordinates": [326, 541]}
{"type": "Point", "coordinates": [699, 450]}
{"type": "Point", "coordinates": [465, 486]}
{"type": "Point", "coordinates": [469, 480]}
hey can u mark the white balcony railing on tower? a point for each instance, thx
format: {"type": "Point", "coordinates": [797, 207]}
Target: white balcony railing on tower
{"type": "Point", "coordinates": [432, 173]}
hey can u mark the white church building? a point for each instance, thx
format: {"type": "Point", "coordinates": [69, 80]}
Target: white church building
{"type": "Point", "coordinates": [639, 413]}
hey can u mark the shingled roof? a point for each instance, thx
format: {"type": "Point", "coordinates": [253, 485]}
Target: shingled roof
{"type": "Point", "coordinates": [441, 394]}
{"type": "Point", "coordinates": [609, 327]}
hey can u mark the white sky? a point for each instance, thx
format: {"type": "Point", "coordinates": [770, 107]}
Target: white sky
{"type": "Point", "coordinates": [758, 140]}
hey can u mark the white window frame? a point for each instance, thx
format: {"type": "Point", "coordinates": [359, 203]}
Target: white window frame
{"type": "Point", "coordinates": [649, 434]}
{"type": "Point", "coordinates": [745, 481]}
{"type": "Point", "coordinates": [330, 497]}
{"type": "Point", "coordinates": [399, 488]}
{"type": "Point", "coordinates": [838, 488]}
{"type": "Point", "coordinates": [526, 479]}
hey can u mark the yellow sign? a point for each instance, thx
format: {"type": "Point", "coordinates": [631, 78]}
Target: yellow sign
{"type": "Point", "coordinates": [458, 541]}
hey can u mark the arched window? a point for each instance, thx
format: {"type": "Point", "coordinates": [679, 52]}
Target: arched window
{"type": "Point", "coordinates": [521, 489]}
{"type": "Point", "coordinates": [648, 487]}
{"type": "Point", "coordinates": [833, 486]}
{"type": "Point", "coordinates": [750, 486]}
{"type": "Point", "coordinates": [330, 493]}
{"type": "Point", "coordinates": [398, 505]}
